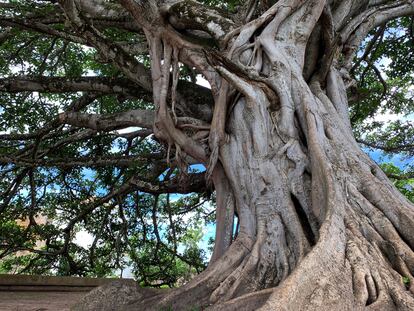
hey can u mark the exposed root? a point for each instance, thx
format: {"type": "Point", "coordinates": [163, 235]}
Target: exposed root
{"type": "Point", "coordinates": [373, 239]}
{"type": "Point", "coordinates": [175, 76]}
{"type": "Point", "coordinates": [225, 211]}
{"type": "Point", "coordinates": [263, 267]}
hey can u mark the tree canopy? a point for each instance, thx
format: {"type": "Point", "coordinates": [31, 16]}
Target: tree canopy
{"type": "Point", "coordinates": [77, 143]}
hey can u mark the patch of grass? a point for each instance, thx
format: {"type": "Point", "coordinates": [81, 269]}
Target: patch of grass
{"type": "Point", "coordinates": [406, 281]}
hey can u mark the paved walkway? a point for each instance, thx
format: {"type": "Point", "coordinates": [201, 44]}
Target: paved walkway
{"type": "Point", "coordinates": [38, 301]}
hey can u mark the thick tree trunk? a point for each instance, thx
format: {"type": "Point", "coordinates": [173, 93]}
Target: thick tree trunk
{"type": "Point", "coordinates": [321, 227]}
{"type": "Point", "coordinates": [320, 224]}
{"type": "Point", "coordinates": [319, 221]}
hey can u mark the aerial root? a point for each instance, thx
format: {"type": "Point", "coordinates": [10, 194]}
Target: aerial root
{"type": "Point", "coordinates": [214, 155]}
{"type": "Point", "coordinates": [227, 286]}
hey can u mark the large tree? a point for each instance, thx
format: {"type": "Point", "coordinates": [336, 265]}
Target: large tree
{"type": "Point", "coordinates": [319, 224]}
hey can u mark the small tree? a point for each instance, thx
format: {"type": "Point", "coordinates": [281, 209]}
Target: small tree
{"type": "Point", "coordinates": [320, 226]}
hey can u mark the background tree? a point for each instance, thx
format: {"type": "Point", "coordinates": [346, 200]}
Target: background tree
{"type": "Point", "coordinates": [319, 224]}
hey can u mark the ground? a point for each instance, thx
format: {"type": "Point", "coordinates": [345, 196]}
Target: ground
{"type": "Point", "coordinates": [38, 301]}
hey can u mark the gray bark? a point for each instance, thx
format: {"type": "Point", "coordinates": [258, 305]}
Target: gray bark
{"type": "Point", "coordinates": [321, 227]}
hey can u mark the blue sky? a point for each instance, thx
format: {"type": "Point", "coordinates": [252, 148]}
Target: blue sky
{"type": "Point", "coordinates": [398, 160]}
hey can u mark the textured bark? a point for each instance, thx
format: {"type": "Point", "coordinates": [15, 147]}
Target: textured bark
{"type": "Point", "coordinates": [321, 227]}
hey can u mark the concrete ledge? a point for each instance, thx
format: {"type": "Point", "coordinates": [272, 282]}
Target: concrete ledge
{"type": "Point", "coordinates": [52, 283]}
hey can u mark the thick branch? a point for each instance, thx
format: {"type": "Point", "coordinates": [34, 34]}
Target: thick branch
{"type": "Point", "coordinates": [186, 15]}
{"type": "Point", "coordinates": [125, 161]}
{"type": "Point", "coordinates": [193, 183]}
{"type": "Point", "coordinates": [81, 84]}
{"type": "Point", "coordinates": [138, 118]}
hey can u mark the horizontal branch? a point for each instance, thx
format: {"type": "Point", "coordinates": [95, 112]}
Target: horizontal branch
{"type": "Point", "coordinates": [196, 100]}
{"type": "Point", "coordinates": [82, 84]}
{"type": "Point", "coordinates": [102, 8]}
{"type": "Point", "coordinates": [138, 118]}
{"type": "Point", "coordinates": [125, 161]}
{"type": "Point", "coordinates": [192, 183]}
